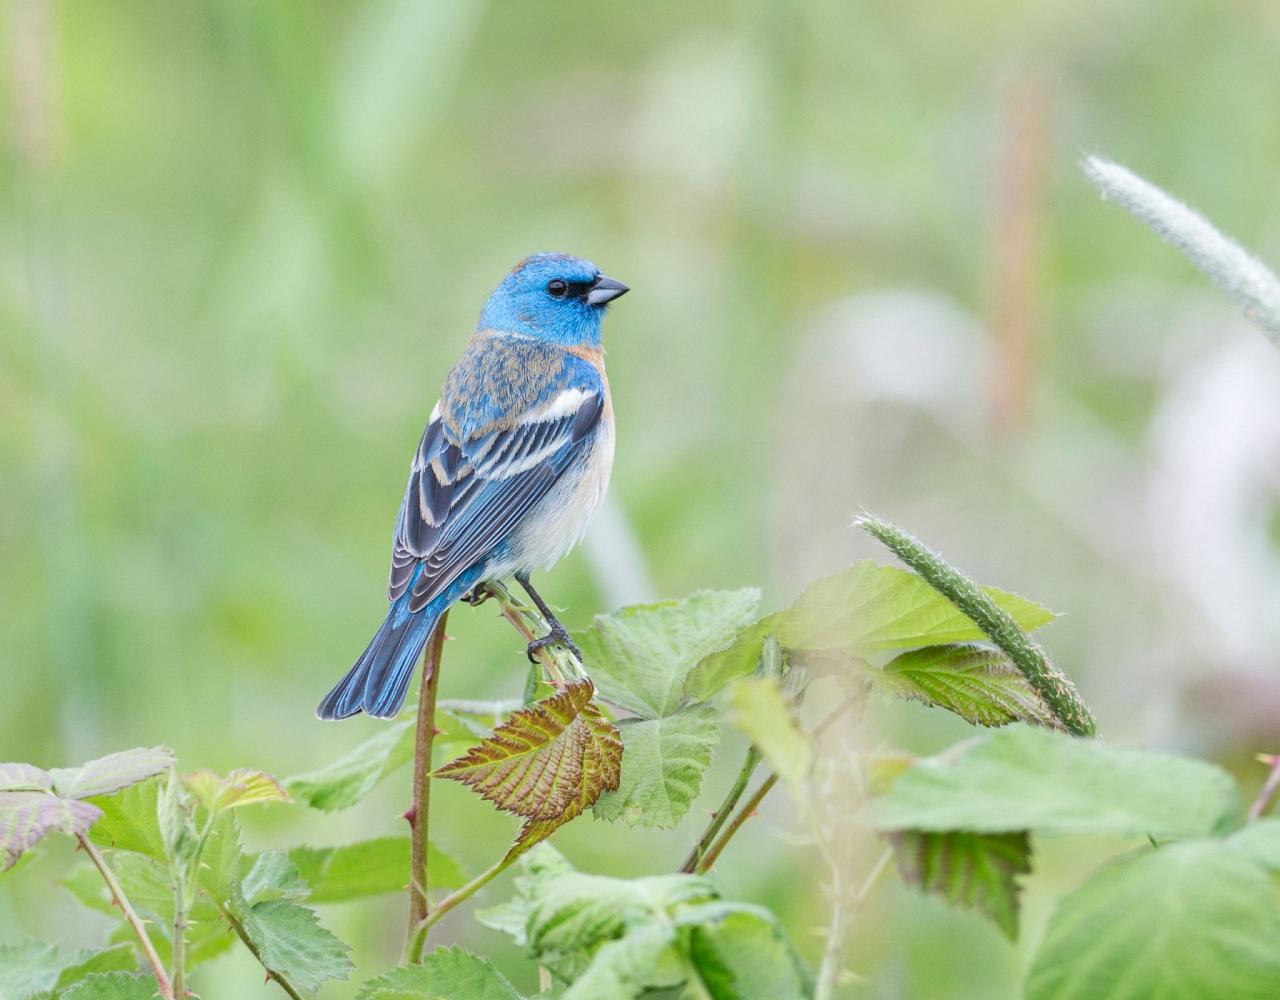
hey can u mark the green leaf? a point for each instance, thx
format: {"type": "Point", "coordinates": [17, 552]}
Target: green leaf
{"type": "Point", "coordinates": [293, 944]}
{"type": "Point", "coordinates": [240, 787]}
{"type": "Point", "coordinates": [349, 779]}
{"type": "Point", "coordinates": [742, 953]}
{"type": "Point", "coordinates": [1021, 778]}
{"type": "Point", "coordinates": [113, 986]}
{"type": "Point", "coordinates": [34, 968]}
{"type": "Point", "coordinates": [545, 759]}
{"type": "Point", "coordinates": [130, 820]}
{"type": "Point", "coordinates": [662, 765]}
{"type": "Point", "coordinates": [974, 870]}
{"type": "Point", "coordinates": [368, 868]}
{"type": "Point", "coordinates": [445, 974]}
{"type": "Point", "coordinates": [111, 773]}
{"type": "Point", "coordinates": [272, 876]}
{"type": "Point", "coordinates": [27, 817]}
{"type": "Point", "coordinates": [865, 609]}
{"type": "Point", "coordinates": [220, 861]}
{"type": "Point", "coordinates": [646, 958]}
{"type": "Point", "coordinates": [640, 656]}
{"type": "Point", "coordinates": [1190, 920]}
{"type": "Point", "coordinates": [977, 683]}
{"type": "Point", "coordinates": [174, 810]}
{"type": "Point", "coordinates": [17, 777]}
{"type": "Point", "coordinates": [759, 708]}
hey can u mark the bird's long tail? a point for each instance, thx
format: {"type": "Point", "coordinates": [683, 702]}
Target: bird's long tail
{"type": "Point", "coordinates": [378, 682]}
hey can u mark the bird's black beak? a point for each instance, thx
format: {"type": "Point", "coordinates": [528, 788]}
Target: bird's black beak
{"type": "Point", "coordinates": [605, 290]}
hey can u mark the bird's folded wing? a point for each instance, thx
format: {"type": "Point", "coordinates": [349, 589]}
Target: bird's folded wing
{"type": "Point", "coordinates": [464, 497]}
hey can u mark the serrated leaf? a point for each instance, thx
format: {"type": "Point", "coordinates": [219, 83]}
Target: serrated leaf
{"type": "Point", "coordinates": [760, 710]}
{"type": "Point", "coordinates": [1190, 920]}
{"type": "Point", "coordinates": [974, 870]}
{"type": "Point", "coordinates": [640, 656]}
{"type": "Point", "coordinates": [663, 762]}
{"type": "Point", "coordinates": [742, 953]}
{"type": "Point", "coordinates": [116, 958]}
{"type": "Point", "coordinates": [977, 683]}
{"type": "Point", "coordinates": [646, 958]}
{"type": "Point", "coordinates": [113, 986]}
{"type": "Point", "coordinates": [111, 773]}
{"type": "Point", "coordinates": [1023, 778]}
{"type": "Point", "coordinates": [368, 868]}
{"type": "Point", "coordinates": [174, 813]}
{"type": "Point", "coordinates": [350, 778]}
{"type": "Point", "coordinates": [865, 609]}
{"type": "Point", "coordinates": [445, 974]}
{"type": "Point", "coordinates": [27, 817]}
{"type": "Point", "coordinates": [273, 875]}
{"type": "Point", "coordinates": [220, 860]}
{"type": "Point", "coordinates": [241, 787]}
{"type": "Point", "coordinates": [538, 762]}
{"type": "Point", "coordinates": [293, 944]}
{"type": "Point", "coordinates": [130, 820]}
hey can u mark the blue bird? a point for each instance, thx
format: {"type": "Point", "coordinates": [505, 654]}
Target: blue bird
{"type": "Point", "coordinates": [513, 463]}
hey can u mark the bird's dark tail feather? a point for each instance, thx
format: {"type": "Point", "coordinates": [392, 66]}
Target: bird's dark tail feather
{"type": "Point", "coordinates": [379, 681]}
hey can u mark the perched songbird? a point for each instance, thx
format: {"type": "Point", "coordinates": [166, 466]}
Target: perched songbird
{"type": "Point", "coordinates": [514, 462]}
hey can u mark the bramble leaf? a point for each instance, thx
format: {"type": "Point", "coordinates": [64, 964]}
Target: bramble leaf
{"type": "Point", "coordinates": [16, 777]}
{"type": "Point", "coordinates": [445, 974]}
{"type": "Point", "coordinates": [865, 609]}
{"type": "Point", "coordinates": [977, 683]}
{"type": "Point", "coordinates": [1022, 778]}
{"type": "Point", "coordinates": [741, 951]}
{"type": "Point", "coordinates": [368, 868]}
{"type": "Point", "coordinates": [759, 708]}
{"type": "Point", "coordinates": [647, 958]}
{"type": "Point", "coordinates": [241, 787]}
{"type": "Point", "coordinates": [1199, 918]}
{"type": "Point", "coordinates": [640, 656]}
{"type": "Point", "coordinates": [272, 876]}
{"type": "Point", "coordinates": [544, 758]}
{"type": "Point", "coordinates": [975, 870]}
{"type": "Point", "coordinates": [111, 773]}
{"type": "Point", "coordinates": [662, 766]}
{"type": "Point", "coordinates": [350, 778]}
{"type": "Point", "coordinates": [33, 968]}
{"type": "Point", "coordinates": [130, 820]}
{"type": "Point", "coordinates": [112, 986]}
{"type": "Point", "coordinates": [27, 817]}
{"type": "Point", "coordinates": [292, 943]}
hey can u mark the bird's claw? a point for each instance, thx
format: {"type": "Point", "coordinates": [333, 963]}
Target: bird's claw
{"type": "Point", "coordinates": [477, 595]}
{"type": "Point", "coordinates": [557, 636]}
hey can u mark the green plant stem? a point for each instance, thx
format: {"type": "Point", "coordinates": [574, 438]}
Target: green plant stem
{"type": "Point", "coordinates": [708, 859]}
{"type": "Point", "coordinates": [418, 938]}
{"type": "Point", "coordinates": [722, 814]}
{"type": "Point", "coordinates": [1268, 792]}
{"type": "Point", "coordinates": [420, 810]}
{"type": "Point", "coordinates": [243, 935]}
{"type": "Point", "coordinates": [179, 935]}
{"type": "Point", "coordinates": [561, 665]}
{"type": "Point", "coordinates": [130, 915]}
{"type": "Point", "coordinates": [1057, 691]}
{"type": "Point", "coordinates": [841, 911]}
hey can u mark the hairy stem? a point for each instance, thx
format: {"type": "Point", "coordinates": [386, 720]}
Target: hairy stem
{"type": "Point", "coordinates": [1269, 787]}
{"type": "Point", "coordinates": [1057, 691]}
{"type": "Point", "coordinates": [842, 912]}
{"type": "Point", "coordinates": [560, 665]}
{"type": "Point", "coordinates": [722, 814]}
{"type": "Point", "coordinates": [243, 935]}
{"type": "Point", "coordinates": [419, 814]}
{"type": "Point", "coordinates": [130, 915]}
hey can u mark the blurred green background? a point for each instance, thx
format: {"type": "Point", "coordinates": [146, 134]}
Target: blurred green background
{"type": "Point", "coordinates": [242, 242]}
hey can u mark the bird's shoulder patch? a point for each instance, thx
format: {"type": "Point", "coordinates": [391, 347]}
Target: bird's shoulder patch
{"type": "Point", "coordinates": [498, 378]}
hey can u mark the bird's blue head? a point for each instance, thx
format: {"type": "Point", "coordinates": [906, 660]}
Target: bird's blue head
{"type": "Point", "coordinates": [554, 297]}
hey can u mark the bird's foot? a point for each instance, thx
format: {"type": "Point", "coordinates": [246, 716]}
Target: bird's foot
{"type": "Point", "coordinates": [477, 595]}
{"type": "Point", "coordinates": [557, 636]}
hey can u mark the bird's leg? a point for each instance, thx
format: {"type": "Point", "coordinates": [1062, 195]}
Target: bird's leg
{"type": "Point", "coordinates": [557, 633]}
{"type": "Point", "coordinates": [477, 595]}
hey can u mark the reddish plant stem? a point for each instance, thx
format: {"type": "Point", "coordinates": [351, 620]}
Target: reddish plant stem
{"type": "Point", "coordinates": [419, 813]}
{"type": "Point", "coordinates": [1263, 801]}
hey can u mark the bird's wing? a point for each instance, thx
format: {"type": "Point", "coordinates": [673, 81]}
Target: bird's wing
{"type": "Point", "coordinates": [465, 496]}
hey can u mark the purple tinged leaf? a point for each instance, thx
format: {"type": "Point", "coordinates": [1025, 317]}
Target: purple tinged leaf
{"type": "Point", "coordinates": [16, 777]}
{"type": "Point", "coordinates": [26, 817]}
{"type": "Point", "coordinates": [112, 772]}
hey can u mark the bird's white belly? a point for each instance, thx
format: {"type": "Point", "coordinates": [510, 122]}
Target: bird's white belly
{"type": "Point", "coordinates": [560, 519]}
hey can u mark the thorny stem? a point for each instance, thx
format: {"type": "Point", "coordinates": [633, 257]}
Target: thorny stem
{"type": "Point", "coordinates": [243, 935]}
{"type": "Point", "coordinates": [721, 815]}
{"type": "Point", "coordinates": [419, 814]}
{"type": "Point", "coordinates": [704, 863]}
{"type": "Point", "coordinates": [561, 665]}
{"type": "Point", "coordinates": [130, 915]}
{"type": "Point", "coordinates": [1269, 787]}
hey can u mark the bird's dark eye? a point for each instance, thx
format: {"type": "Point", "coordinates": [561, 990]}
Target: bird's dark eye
{"type": "Point", "coordinates": [556, 288]}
